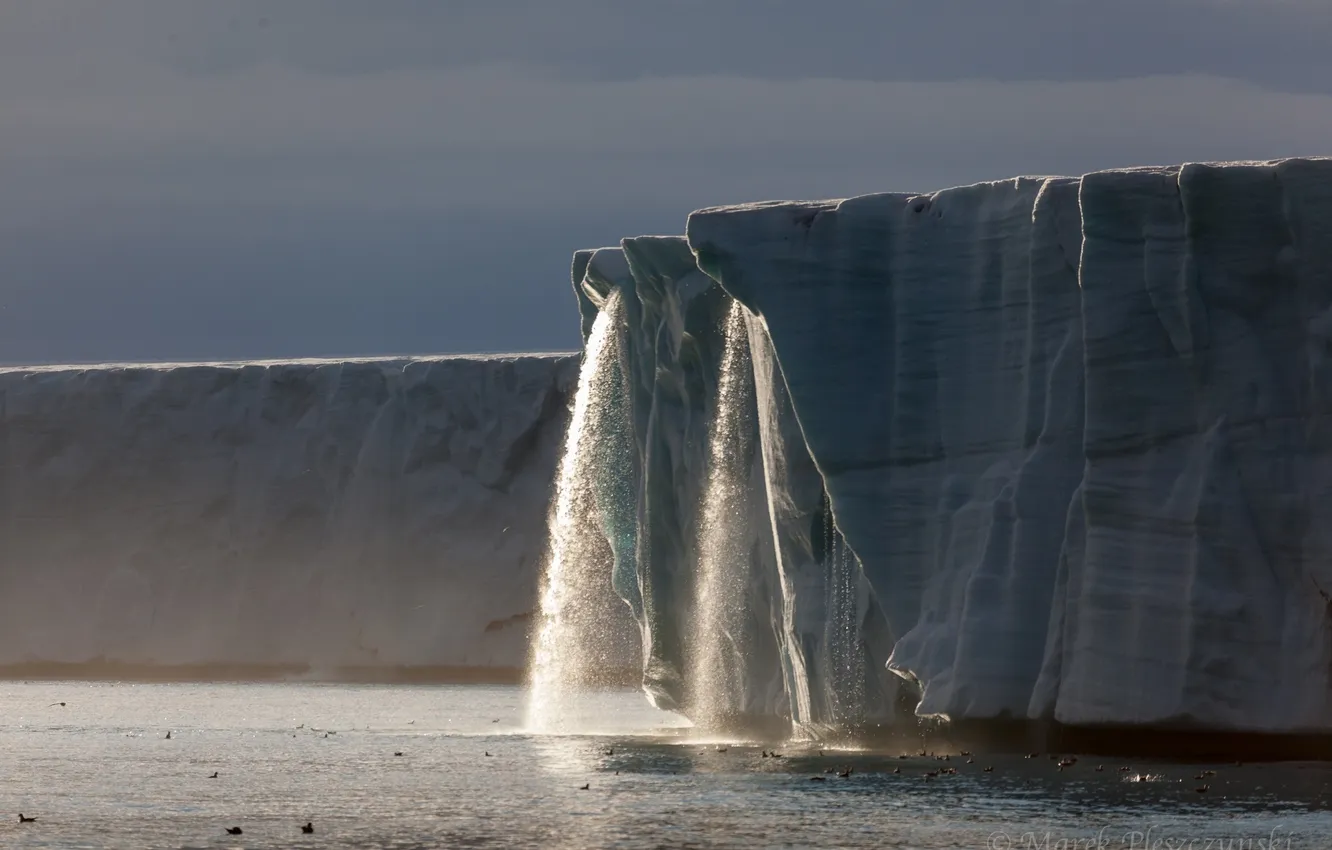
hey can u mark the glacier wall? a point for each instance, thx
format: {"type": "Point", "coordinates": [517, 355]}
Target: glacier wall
{"type": "Point", "coordinates": [315, 515]}
{"type": "Point", "coordinates": [1046, 449]}
{"type": "Point", "coordinates": [947, 434]}
{"type": "Point", "coordinates": [792, 646]}
{"type": "Point", "coordinates": [1073, 430]}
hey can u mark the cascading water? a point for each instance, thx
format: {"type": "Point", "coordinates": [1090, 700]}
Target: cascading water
{"type": "Point", "coordinates": [579, 635]}
{"type": "Point", "coordinates": [722, 630]}
{"type": "Point", "coordinates": [845, 656]}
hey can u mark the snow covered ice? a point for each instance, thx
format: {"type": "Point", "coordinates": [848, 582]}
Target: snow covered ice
{"type": "Point", "coordinates": [322, 515]}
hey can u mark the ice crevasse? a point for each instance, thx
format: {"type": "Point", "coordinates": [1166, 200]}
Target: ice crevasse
{"type": "Point", "coordinates": [1044, 448]}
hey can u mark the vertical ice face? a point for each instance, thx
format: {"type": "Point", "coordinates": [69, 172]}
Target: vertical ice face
{"type": "Point", "coordinates": [1073, 430]}
{"type": "Point", "coordinates": [924, 340]}
{"type": "Point", "coordinates": [732, 632]}
{"type": "Point", "coordinates": [806, 552]}
{"type": "Point", "coordinates": [322, 514]}
{"type": "Point", "coordinates": [669, 364]}
{"type": "Point", "coordinates": [1200, 590]}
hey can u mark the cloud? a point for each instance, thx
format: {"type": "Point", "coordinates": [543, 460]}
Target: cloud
{"type": "Point", "coordinates": [507, 137]}
{"type": "Point", "coordinates": [1276, 44]}
{"type": "Point", "coordinates": [261, 178]}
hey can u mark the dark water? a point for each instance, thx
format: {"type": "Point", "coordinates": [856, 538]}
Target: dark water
{"type": "Point", "coordinates": [99, 772]}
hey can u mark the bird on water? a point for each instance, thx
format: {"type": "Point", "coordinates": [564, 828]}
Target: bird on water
{"type": "Point", "coordinates": [308, 828]}
{"type": "Point", "coordinates": [23, 819]}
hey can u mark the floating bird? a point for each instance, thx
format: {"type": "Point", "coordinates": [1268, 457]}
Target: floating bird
{"type": "Point", "coordinates": [168, 736]}
{"type": "Point", "coordinates": [722, 749]}
{"type": "Point", "coordinates": [988, 769]}
{"type": "Point", "coordinates": [488, 755]}
{"type": "Point", "coordinates": [1203, 789]}
{"type": "Point", "coordinates": [971, 761]}
{"type": "Point", "coordinates": [610, 751]}
{"type": "Point", "coordinates": [23, 819]}
{"type": "Point", "coordinates": [54, 704]}
{"type": "Point", "coordinates": [496, 720]}
{"type": "Point", "coordinates": [964, 753]}
{"type": "Point", "coordinates": [846, 774]}
{"type": "Point", "coordinates": [585, 787]}
{"type": "Point", "coordinates": [816, 779]}
{"type": "Point", "coordinates": [897, 770]}
{"type": "Point", "coordinates": [308, 828]}
{"type": "Point", "coordinates": [1033, 755]}
{"type": "Point", "coordinates": [214, 776]}
{"type": "Point", "coordinates": [398, 753]}
{"type": "Point", "coordinates": [235, 830]}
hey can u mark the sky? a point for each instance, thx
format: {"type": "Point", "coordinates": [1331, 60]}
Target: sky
{"type": "Point", "coordinates": [193, 180]}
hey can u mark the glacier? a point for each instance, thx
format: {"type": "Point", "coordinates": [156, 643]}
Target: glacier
{"type": "Point", "coordinates": [1040, 453]}
{"type": "Point", "coordinates": [1045, 450]}
{"type": "Point", "coordinates": [374, 518]}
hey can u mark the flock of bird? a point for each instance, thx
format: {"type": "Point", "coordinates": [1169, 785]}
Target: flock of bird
{"type": "Point", "coordinates": [307, 828]}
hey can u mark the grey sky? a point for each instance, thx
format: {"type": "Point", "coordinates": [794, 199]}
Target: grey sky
{"type": "Point", "coordinates": [192, 179]}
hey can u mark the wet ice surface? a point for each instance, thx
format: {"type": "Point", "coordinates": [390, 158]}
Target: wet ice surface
{"type": "Point", "coordinates": [99, 772]}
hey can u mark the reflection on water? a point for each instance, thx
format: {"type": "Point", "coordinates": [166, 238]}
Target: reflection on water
{"type": "Point", "coordinates": [99, 772]}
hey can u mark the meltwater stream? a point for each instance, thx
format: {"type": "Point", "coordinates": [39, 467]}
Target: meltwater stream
{"type": "Point", "coordinates": [721, 633]}
{"type": "Point", "coordinates": [576, 641]}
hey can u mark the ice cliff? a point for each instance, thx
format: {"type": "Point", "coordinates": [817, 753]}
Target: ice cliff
{"type": "Point", "coordinates": [1069, 433]}
{"type": "Point", "coordinates": [304, 515]}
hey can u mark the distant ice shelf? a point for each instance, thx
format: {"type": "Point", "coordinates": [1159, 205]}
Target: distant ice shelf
{"type": "Point", "coordinates": [316, 515]}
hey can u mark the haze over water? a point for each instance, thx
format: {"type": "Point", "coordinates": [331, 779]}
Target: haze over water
{"type": "Point", "coordinates": [100, 772]}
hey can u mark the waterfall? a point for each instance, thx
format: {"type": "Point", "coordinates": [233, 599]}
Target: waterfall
{"type": "Point", "coordinates": [722, 639]}
{"type": "Point", "coordinates": [845, 656]}
{"type": "Point", "coordinates": [578, 636]}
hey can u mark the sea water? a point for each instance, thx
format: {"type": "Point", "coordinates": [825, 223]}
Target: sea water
{"type": "Point", "coordinates": [100, 772]}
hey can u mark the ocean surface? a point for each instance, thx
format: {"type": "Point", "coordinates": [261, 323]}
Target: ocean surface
{"type": "Point", "coordinates": [451, 766]}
